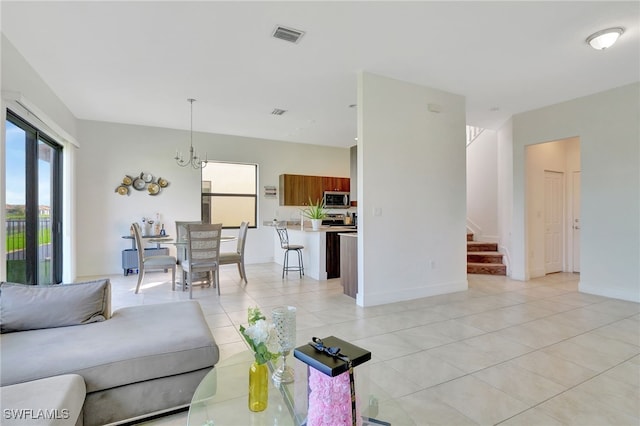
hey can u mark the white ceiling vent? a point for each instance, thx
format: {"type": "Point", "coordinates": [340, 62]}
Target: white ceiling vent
{"type": "Point", "coordinates": [277, 111]}
{"type": "Point", "coordinates": [287, 34]}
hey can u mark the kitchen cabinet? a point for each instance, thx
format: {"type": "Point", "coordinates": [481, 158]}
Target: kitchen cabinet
{"type": "Point", "coordinates": [336, 184]}
{"type": "Point", "coordinates": [349, 263]}
{"type": "Point", "coordinates": [295, 190]}
{"type": "Point", "coordinates": [333, 255]}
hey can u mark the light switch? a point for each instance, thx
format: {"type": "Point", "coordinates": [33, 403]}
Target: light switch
{"type": "Point", "coordinates": [377, 211]}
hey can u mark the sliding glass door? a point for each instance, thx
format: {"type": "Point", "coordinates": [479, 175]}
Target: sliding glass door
{"type": "Point", "coordinates": [33, 204]}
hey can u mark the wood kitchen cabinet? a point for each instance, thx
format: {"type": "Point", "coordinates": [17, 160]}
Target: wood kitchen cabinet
{"type": "Point", "coordinates": [336, 184]}
{"type": "Point", "coordinates": [333, 255]}
{"type": "Point", "coordinates": [295, 190]}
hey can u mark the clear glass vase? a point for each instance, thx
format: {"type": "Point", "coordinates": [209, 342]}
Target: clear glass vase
{"type": "Point", "coordinates": [258, 387]}
{"type": "Point", "coordinates": [284, 321]}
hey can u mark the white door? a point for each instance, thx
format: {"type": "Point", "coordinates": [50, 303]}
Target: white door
{"type": "Point", "coordinates": [576, 222]}
{"type": "Point", "coordinates": [553, 219]}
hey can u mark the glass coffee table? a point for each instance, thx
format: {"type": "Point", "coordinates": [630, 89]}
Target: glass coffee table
{"type": "Point", "coordinates": [221, 398]}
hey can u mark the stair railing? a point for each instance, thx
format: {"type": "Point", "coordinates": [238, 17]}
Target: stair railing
{"type": "Point", "coordinates": [472, 133]}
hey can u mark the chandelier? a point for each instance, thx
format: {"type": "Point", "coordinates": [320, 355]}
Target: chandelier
{"type": "Point", "coordinates": [193, 160]}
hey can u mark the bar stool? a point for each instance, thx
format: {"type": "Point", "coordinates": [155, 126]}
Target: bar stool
{"type": "Point", "coordinates": [284, 243]}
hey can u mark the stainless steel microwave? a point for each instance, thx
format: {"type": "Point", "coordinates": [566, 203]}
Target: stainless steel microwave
{"type": "Point", "coordinates": [336, 199]}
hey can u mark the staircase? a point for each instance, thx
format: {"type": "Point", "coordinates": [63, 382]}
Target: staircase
{"type": "Point", "coordinates": [484, 258]}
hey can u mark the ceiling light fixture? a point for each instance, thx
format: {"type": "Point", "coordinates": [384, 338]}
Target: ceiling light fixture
{"type": "Point", "coordinates": [605, 38]}
{"type": "Point", "coordinates": [193, 160]}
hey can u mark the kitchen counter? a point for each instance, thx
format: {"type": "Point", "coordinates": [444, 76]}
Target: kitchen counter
{"type": "Point", "coordinates": [314, 253]}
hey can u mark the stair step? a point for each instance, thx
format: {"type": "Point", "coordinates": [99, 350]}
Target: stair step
{"type": "Point", "coordinates": [481, 246]}
{"type": "Point", "coordinates": [484, 257]}
{"type": "Point", "coordinates": [469, 236]}
{"type": "Point", "coordinates": [487, 268]}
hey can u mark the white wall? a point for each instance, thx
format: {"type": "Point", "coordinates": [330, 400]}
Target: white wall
{"type": "Point", "coordinates": [110, 151]}
{"type": "Point", "coordinates": [482, 186]}
{"type": "Point", "coordinates": [411, 191]}
{"type": "Point", "coordinates": [608, 128]}
{"type": "Point", "coordinates": [559, 156]}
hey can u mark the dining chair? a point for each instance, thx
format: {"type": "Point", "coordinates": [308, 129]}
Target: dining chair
{"type": "Point", "coordinates": [284, 243]}
{"type": "Point", "coordinates": [231, 257]}
{"type": "Point", "coordinates": [181, 246]}
{"type": "Point", "coordinates": [203, 253]}
{"type": "Point", "coordinates": [153, 262]}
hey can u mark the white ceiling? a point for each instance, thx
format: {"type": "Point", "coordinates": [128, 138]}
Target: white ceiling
{"type": "Point", "coordinates": [138, 62]}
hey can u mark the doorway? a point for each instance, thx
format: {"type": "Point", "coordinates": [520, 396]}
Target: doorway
{"type": "Point", "coordinates": [553, 206]}
{"type": "Point", "coordinates": [33, 188]}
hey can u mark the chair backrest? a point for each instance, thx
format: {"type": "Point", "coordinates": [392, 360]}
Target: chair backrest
{"type": "Point", "coordinates": [181, 237]}
{"type": "Point", "coordinates": [242, 237]}
{"type": "Point", "coordinates": [203, 246]}
{"type": "Point", "coordinates": [284, 237]}
{"type": "Point", "coordinates": [135, 227]}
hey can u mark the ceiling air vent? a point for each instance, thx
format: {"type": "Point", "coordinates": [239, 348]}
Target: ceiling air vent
{"type": "Point", "coordinates": [277, 111]}
{"type": "Point", "coordinates": [288, 34]}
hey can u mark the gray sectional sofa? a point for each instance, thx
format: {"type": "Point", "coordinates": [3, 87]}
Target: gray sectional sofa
{"type": "Point", "coordinates": [136, 361]}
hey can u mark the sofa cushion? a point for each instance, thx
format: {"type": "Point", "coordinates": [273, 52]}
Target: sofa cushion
{"type": "Point", "coordinates": [138, 343]}
{"type": "Point", "coordinates": [54, 401]}
{"type": "Point", "coordinates": [30, 307]}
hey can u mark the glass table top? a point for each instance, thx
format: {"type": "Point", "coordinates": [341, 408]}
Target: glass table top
{"type": "Point", "coordinates": [221, 399]}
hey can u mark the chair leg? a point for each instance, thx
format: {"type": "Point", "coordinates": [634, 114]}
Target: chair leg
{"type": "Point", "coordinates": [173, 278]}
{"type": "Point", "coordinates": [217, 279]}
{"type": "Point", "coordinates": [286, 263]}
{"type": "Point", "coordinates": [243, 273]}
{"type": "Point", "coordinates": [300, 264]}
{"type": "Point", "coordinates": [190, 284]}
{"type": "Point", "coordinates": [140, 277]}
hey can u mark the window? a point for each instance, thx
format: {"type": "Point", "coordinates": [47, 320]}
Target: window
{"type": "Point", "coordinates": [33, 188]}
{"type": "Point", "coordinates": [230, 194]}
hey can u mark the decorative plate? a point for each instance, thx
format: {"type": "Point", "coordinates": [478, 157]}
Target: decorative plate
{"type": "Point", "coordinates": [162, 182]}
{"type": "Point", "coordinates": [139, 184]}
{"type": "Point", "coordinates": [147, 177]}
{"type": "Point", "coordinates": [127, 180]}
{"type": "Point", "coordinates": [153, 188]}
{"type": "Point", "coordinates": [122, 190]}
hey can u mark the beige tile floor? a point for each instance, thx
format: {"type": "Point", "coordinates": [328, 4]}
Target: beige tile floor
{"type": "Point", "coordinates": [503, 352]}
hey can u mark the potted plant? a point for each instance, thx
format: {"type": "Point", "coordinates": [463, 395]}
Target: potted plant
{"type": "Point", "coordinates": [316, 212]}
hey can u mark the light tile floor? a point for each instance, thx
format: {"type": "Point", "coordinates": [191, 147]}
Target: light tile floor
{"type": "Point", "coordinates": [503, 352]}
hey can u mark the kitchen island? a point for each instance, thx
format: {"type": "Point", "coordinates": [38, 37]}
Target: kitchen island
{"type": "Point", "coordinates": [315, 252]}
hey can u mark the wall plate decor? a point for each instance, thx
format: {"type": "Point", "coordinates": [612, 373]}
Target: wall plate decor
{"type": "Point", "coordinates": [139, 184]}
{"type": "Point", "coordinates": [153, 188]}
{"type": "Point", "coordinates": [143, 181]}
{"type": "Point", "coordinates": [122, 190]}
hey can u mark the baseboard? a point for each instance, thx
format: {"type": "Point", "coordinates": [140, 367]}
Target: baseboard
{"type": "Point", "coordinates": [631, 295]}
{"type": "Point", "coordinates": [396, 295]}
{"type": "Point", "coordinates": [537, 273]}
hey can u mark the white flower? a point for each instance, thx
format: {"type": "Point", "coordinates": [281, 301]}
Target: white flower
{"type": "Point", "coordinates": [264, 332]}
{"type": "Point", "coordinates": [258, 332]}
